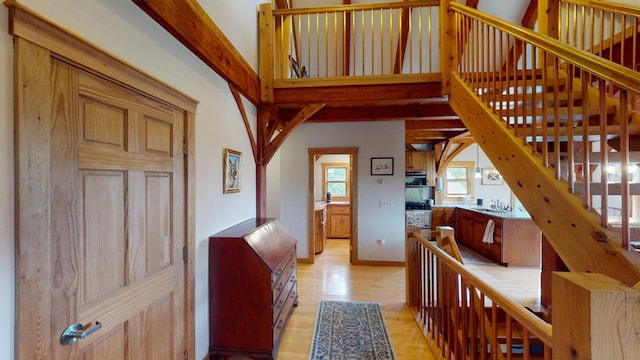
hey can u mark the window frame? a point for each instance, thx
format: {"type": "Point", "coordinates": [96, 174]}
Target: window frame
{"type": "Point", "coordinates": [347, 182]}
{"type": "Point", "coordinates": [470, 180]}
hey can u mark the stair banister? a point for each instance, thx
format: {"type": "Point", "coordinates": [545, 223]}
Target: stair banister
{"type": "Point", "coordinates": [499, 119]}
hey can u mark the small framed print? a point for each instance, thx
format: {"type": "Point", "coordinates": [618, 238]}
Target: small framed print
{"type": "Point", "coordinates": [491, 177]}
{"type": "Point", "coordinates": [232, 163]}
{"type": "Point", "coordinates": [382, 166]}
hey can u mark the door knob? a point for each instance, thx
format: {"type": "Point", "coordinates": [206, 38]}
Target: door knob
{"type": "Point", "coordinates": [77, 331]}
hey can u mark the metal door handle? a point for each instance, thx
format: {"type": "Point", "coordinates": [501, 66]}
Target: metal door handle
{"type": "Point", "coordinates": [77, 331]}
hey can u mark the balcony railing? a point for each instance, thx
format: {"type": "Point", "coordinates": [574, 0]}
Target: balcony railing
{"type": "Point", "coordinates": [463, 316]}
{"type": "Point", "coordinates": [558, 102]}
{"type": "Point", "coordinates": [358, 41]}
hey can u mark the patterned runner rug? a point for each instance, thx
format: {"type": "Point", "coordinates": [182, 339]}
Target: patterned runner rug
{"type": "Point", "coordinates": [350, 331]}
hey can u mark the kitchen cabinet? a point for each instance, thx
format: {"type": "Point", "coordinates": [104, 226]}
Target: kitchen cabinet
{"type": "Point", "coordinates": [252, 289]}
{"type": "Point", "coordinates": [442, 216]}
{"type": "Point", "coordinates": [415, 161]}
{"type": "Point", "coordinates": [320, 218]}
{"type": "Point", "coordinates": [516, 241]}
{"type": "Point", "coordinates": [339, 223]}
{"type": "Point", "coordinates": [430, 167]}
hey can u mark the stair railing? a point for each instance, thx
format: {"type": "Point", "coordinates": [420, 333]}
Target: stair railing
{"type": "Point", "coordinates": [464, 317]}
{"type": "Point", "coordinates": [555, 99]}
{"type": "Point", "coordinates": [372, 40]}
{"type": "Point", "coordinates": [606, 29]}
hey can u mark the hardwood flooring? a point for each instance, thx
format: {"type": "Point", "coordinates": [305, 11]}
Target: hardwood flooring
{"type": "Point", "coordinates": [332, 278]}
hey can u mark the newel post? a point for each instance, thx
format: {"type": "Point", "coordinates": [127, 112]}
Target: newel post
{"type": "Point", "coordinates": [447, 44]}
{"type": "Point", "coordinates": [594, 317]}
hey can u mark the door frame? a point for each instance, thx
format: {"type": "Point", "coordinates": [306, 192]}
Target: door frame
{"type": "Point", "coordinates": [37, 41]}
{"type": "Point", "coordinates": [353, 203]}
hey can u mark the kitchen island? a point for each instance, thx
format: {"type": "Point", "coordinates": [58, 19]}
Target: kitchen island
{"type": "Point", "coordinates": [512, 240]}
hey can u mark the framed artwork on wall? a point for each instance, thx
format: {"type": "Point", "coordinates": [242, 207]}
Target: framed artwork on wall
{"type": "Point", "coordinates": [382, 166]}
{"type": "Point", "coordinates": [491, 177]}
{"type": "Point", "coordinates": [232, 163]}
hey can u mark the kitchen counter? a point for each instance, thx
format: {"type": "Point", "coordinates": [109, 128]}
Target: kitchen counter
{"type": "Point", "coordinates": [319, 205]}
{"type": "Point", "coordinates": [487, 211]}
{"type": "Point", "coordinates": [511, 240]}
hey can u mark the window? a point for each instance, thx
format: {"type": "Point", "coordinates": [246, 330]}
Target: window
{"type": "Point", "coordinates": [458, 181]}
{"type": "Point", "coordinates": [335, 179]}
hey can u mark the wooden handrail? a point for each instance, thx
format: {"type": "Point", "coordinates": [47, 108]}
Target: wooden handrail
{"type": "Point", "coordinates": [622, 9]}
{"type": "Point", "coordinates": [614, 73]}
{"type": "Point", "coordinates": [347, 8]}
{"type": "Point", "coordinates": [535, 325]}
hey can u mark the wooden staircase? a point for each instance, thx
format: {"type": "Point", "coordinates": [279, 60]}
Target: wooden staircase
{"type": "Point", "coordinates": [537, 122]}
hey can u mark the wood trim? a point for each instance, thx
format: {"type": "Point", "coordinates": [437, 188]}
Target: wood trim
{"type": "Point", "coordinates": [190, 216]}
{"type": "Point", "coordinates": [192, 26]}
{"type": "Point", "coordinates": [379, 263]}
{"type": "Point", "coordinates": [69, 47]}
{"type": "Point", "coordinates": [353, 203]}
{"type": "Point", "coordinates": [33, 194]}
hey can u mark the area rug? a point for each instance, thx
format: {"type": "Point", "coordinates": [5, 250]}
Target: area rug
{"type": "Point", "coordinates": [350, 331]}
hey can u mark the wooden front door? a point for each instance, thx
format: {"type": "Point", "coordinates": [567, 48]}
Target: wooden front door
{"type": "Point", "coordinates": [111, 258]}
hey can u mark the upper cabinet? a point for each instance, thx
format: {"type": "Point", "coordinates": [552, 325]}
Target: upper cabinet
{"type": "Point", "coordinates": [421, 161]}
{"type": "Point", "coordinates": [430, 167]}
{"type": "Point", "coordinates": [415, 161]}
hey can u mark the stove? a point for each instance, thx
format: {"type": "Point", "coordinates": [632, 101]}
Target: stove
{"type": "Point", "coordinates": [409, 205]}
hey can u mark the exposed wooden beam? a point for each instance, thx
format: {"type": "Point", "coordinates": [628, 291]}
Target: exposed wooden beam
{"type": "Point", "coordinates": [192, 26]}
{"type": "Point", "coordinates": [358, 93]}
{"type": "Point", "coordinates": [302, 116]}
{"type": "Point", "coordinates": [236, 96]}
{"type": "Point", "coordinates": [453, 125]}
{"type": "Point", "coordinates": [402, 41]}
{"type": "Point", "coordinates": [375, 113]}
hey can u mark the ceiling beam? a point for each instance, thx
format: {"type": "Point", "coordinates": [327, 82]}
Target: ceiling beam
{"type": "Point", "coordinates": [377, 113]}
{"type": "Point", "coordinates": [192, 26]}
{"type": "Point", "coordinates": [304, 114]}
{"type": "Point", "coordinates": [358, 94]}
{"type": "Point", "coordinates": [435, 124]}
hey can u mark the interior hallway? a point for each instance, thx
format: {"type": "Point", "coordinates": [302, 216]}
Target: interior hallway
{"type": "Point", "coordinates": [332, 278]}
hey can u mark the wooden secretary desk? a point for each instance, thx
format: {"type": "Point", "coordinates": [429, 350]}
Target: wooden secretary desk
{"type": "Point", "coordinates": [252, 288]}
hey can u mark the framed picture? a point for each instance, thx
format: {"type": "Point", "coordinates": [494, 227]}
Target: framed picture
{"type": "Point", "coordinates": [232, 163]}
{"type": "Point", "coordinates": [382, 166]}
{"type": "Point", "coordinates": [491, 177]}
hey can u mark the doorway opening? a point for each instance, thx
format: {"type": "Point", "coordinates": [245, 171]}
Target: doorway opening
{"type": "Point", "coordinates": [333, 170]}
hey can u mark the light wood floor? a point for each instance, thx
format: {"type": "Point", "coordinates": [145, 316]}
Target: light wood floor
{"type": "Point", "coordinates": [332, 278]}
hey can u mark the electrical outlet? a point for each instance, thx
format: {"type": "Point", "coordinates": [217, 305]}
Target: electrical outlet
{"type": "Point", "coordinates": [380, 242]}
{"type": "Point", "coordinates": [385, 203]}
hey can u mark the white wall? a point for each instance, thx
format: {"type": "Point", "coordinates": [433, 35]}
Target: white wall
{"type": "Point", "coordinates": [374, 139]}
{"type": "Point", "coordinates": [124, 30]}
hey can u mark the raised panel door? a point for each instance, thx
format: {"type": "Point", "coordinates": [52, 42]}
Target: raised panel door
{"type": "Point", "coordinates": [117, 220]}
